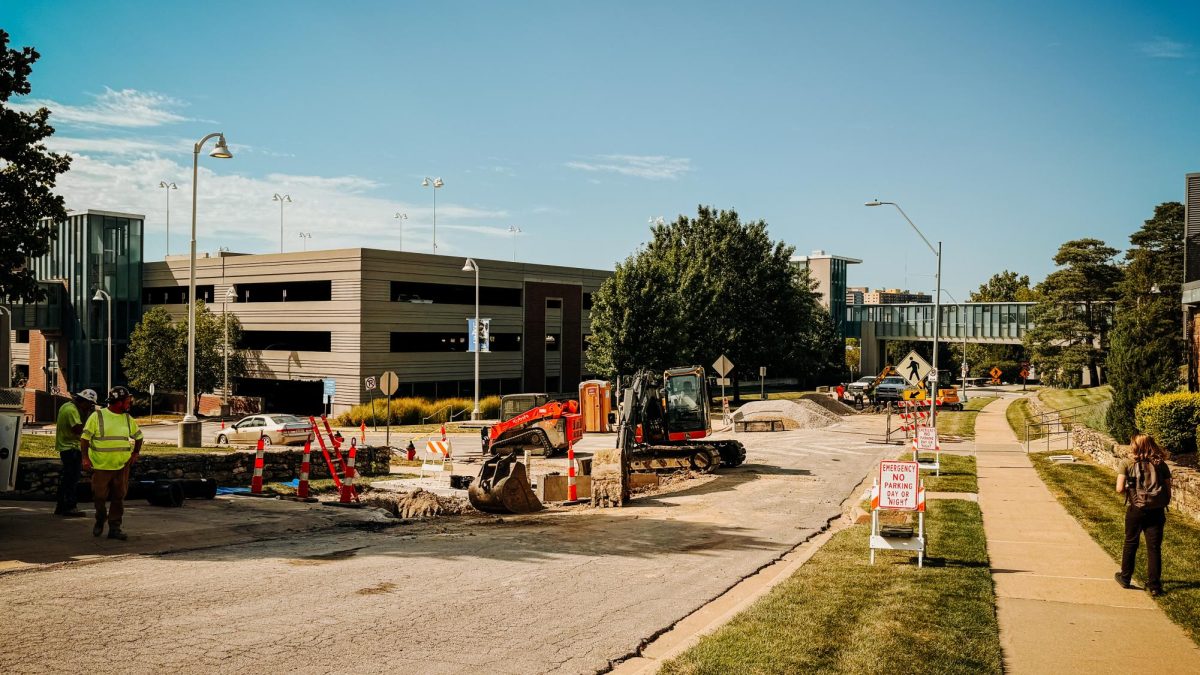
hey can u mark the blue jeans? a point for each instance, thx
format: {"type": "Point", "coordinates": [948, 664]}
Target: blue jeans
{"type": "Point", "coordinates": [68, 480]}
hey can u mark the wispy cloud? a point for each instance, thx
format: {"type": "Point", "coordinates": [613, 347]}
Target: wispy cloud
{"type": "Point", "coordinates": [115, 146]}
{"type": "Point", "coordinates": [125, 108]}
{"type": "Point", "coordinates": [1164, 48]}
{"type": "Point", "coordinates": [652, 167]}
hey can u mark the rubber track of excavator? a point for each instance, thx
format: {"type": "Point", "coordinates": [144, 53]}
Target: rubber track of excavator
{"type": "Point", "coordinates": [733, 453]}
{"type": "Point", "coordinates": [524, 438]}
{"type": "Point", "coordinates": [649, 459]}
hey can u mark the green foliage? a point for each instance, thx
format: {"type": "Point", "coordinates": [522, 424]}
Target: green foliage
{"type": "Point", "coordinates": [1170, 419]}
{"type": "Point", "coordinates": [853, 356]}
{"type": "Point", "coordinates": [707, 286]}
{"type": "Point", "coordinates": [28, 173]}
{"type": "Point", "coordinates": [1071, 319]}
{"type": "Point", "coordinates": [416, 410]}
{"type": "Point", "coordinates": [1147, 347]}
{"type": "Point", "coordinates": [158, 351]}
{"type": "Point", "coordinates": [1005, 286]}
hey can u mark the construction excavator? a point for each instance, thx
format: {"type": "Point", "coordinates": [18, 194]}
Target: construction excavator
{"type": "Point", "coordinates": [669, 420]}
{"type": "Point", "coordinates": [503, 482]}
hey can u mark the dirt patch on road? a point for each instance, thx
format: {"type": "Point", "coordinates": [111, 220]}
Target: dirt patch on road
{"type": "Point", "coordinates": [377, 589]}
{"type": "Point", "coordinates": [831, 404]}
{"type": "Point", "coordinates": [802, 414]}
{"type": "Point", "coordinates": [417, 504]}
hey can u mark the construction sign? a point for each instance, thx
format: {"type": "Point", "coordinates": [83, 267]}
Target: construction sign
{"type": "Point", "coordinates": [898, 483]}
{"type": "Point", "coordinates": [927, 439]}
{"type": "Point", "coordinates": [913, 368]}
{"type": "Point", "coordinates": [995, 372]}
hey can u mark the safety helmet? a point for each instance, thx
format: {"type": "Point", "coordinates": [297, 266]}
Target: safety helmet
{"type": "Point", "coordinates": [87, 395]}
{"type": "Point", "coordinates": [118, 393]}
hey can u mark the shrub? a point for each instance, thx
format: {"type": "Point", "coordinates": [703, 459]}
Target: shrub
{"type": "Point", "coordinates": [1171, 419]}
{"type": "Point", "coordinates": [412, 410]}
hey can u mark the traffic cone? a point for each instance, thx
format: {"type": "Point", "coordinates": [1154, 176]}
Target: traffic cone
{"type": "Point", "coordinates": [222, 425]}
{"type": "Point", "coordinates": [362, 431]}
{"type": "Point", "coordinates": [348, 492]}
{"type": "Point", "coordinates": [305, 465]}
{"type": "Point", "coordinates": [256, 483]}
{"type": "Point", "coordinates": [443, 431]}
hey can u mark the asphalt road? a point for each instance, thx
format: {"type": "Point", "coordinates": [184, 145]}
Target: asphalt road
{"type": "Point", "coordinates": [560, 592]}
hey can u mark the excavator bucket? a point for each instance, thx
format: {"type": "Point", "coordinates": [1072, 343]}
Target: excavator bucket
{"type": "Point", "coordinates": [503, 487]}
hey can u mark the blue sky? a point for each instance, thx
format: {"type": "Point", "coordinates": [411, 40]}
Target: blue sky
{"type": "Point", "coordinates": [1002, 128]}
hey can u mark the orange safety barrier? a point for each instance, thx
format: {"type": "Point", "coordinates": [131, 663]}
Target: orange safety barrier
{"type": "Point", "coordinates": [305, 467]}
{"type": "Point", "coordinates": [256, 483]}
{"type": "Point", "coordinates": [348, 492]}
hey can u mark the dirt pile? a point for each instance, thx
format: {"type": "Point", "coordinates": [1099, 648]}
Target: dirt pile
{"type": "Point", "coordinates": [416, 504]}
{"type": "Point", "coordinates": [802, 414]}
{"type": "Point", "coordinates": [830, 403]}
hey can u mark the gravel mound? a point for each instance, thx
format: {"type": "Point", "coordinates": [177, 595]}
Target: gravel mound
{"type": "Point", "coordinates": [830, 403]}
{"type": "Point", "coordinates": [802, 414]}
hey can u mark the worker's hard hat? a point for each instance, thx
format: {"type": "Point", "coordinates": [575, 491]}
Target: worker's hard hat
{"type": "Point", "coordinates": [87, 395]}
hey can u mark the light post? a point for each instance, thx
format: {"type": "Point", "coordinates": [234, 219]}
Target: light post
{"type": "Point", "coordinates": [435, 183]}
{"type": "Point", "coordinates": [281, 199]}
{"type": "Point", "coordinates": [402, 217]}
{"type": "Point", "coordinates": [6, 376]}
{"type": "Point", "coordinates": [304, 237]}
{"type": "Point", "coordinates": [937, 304]}
{"type": "Point", "coordinates": [99, 296]}
{"type": "Point", "coordinates": [221, 151]}
{"type": "Point", "coordinates": [467, 267]}
{"type": "Point", "coordinates": [168, 187]}
{"type": "Point", "coordinates": [230, 296]}
{"type": "Point", "coordinates": [514, 231]}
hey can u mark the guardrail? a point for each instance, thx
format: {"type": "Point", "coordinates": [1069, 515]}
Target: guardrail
{"type": "Point", "coordinates": [440, 411]}
{"type": "Point", "coordinates": [1055, 424]}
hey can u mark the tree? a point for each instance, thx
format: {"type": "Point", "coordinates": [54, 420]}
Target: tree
{"type": "Point", "coordinates": [1147, 349]}
{"type": "Point", "coordinates": [707, 286]}
{"type": "Point", "coordinates": [27, 177]}
{"type": "Point", "coordinates": [158, 351]}
{"type": "Point", "coordinates": [1005, 286]}
{"type": "Point", "coordinates": [853, 356]}
{"type": "Point", "coordinates": [1074, 310]}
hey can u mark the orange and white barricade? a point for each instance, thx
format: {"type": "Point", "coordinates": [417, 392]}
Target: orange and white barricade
{"type": "Point", "coordinates": [348, 493]}
{"type": "Point", "coordinates": [898, 488]}
{"type": "Point", "coordinates": [256, 483]}
{"type": "Point", "coordinates": [437, 452]}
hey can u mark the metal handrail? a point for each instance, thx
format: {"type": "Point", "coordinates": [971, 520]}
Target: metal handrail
{"type": "Point", "coordinates": [440, 410]}
{"type": "Point", "coordinates": [1065, 427]}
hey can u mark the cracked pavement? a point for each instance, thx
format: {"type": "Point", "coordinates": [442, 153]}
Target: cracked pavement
{"type": "Point", "coordinates": [566, 591]}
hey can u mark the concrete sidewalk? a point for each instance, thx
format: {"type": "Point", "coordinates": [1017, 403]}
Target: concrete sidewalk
{"type": "Point", "coordinates": [1058, 607]}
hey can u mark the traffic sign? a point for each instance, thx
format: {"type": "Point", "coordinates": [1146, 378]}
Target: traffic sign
{"type": "Point", "coordinates": [151, 388]}
{"type": "Point", "coordinates": [762, 371]}
{"type": "Point", "coordinates": [898, 485]}
{"type": "Point", "coordinates": [913, 368]}
{"type": "Point", "coordinates": [723, 382]}
{"type": "Point", "coordinates": [995, 372]}
{"type": "Point", "coordinates": [1024, 373]}
{"type": "Point", "coordinates": [723, 365]}
{"type": "Point", "coordinates": [329, 387]}
{"type": "Point", "coordinates": [389, 382]}
{"type": "Point", "coordinates": [369, 383]}
{"type": "Point", "coordinates": [927, 439]}
{"type": "Point", "coordinates": [966, 370]}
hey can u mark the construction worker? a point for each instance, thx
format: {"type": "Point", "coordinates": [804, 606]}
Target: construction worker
{"type": "Point", "coordinates": [111, 443]}
{"type": "Point", "coordinates": [66, 440]}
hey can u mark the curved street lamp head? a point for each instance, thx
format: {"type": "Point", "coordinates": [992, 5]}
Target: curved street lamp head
{"type": "Point", "coordinates": [470, 266]}
{"type": "Point", "coordinates": [222, 150]}
{"type": "Point", "coordinates": [437, 182]}
{"type": "Point", "coordinates": [165, 184]}
{"type": "Point", "coordinates": [230, 294]}
{"type": "Point", "coordinates": [401, 216]}
{"type": "Point", "coordinates": [874, 202]}
{"type": "Point", "coordinates": [281, 198]}
{"type": "Point", "coordinates": [100, 296]}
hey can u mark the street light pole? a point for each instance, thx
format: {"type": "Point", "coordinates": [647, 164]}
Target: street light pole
{"type": "Point", "coordinates": [281, 199]}
{"type": "Point", "coordinates": [168, 187]}
{"type": "Point", "coordinates": [101, 295]}
{"type": "Point", "coordinates": [514, 230]}
{"type": "Point", "coordinates": [6, 376]}
{"type": "Point", "coordinates": [467, 267]}
{"type": "Point", "coordinates": [436, 184]}
{"type": "Point", "coordinates": [230, 296]}
{"type": "Point", "coordinates": [937, 304]}
{"type": "Point", "coordinates": [304, 237]}
{"type": "Point", "coordinates": [401, 217]}
{"type": "Point", "coordinates": [221, 151]}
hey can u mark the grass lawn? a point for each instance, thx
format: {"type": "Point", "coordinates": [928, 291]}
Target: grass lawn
{"type": "Point", "coordinates": [1096, 398]}
{"type": "Point", "coordinates": [958, 474]}
{"type": "Point", "coordinates": [840, 614]}
{"type": "Point", "coordinates": [962, 423]}
{"type": "Point", "coordinates": [1019, 414]}
{"type": "Point", "coordinates": [35, 446]}
{"type": "Point", "coordinates": [1086, 490]}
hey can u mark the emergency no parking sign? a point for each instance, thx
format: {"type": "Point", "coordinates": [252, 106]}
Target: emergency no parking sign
{"type": "Point", "coordinates": [898, 485]}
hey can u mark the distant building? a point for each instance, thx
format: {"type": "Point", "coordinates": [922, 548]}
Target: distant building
{"type": "Point", "coordinates": [1191, 277]}
{"type": "Point", "coordinates": [894, 296]}
{"type": "Point", "coordinates": [829, 273]}
{"type": "Point", "coordinates": [855, 295]}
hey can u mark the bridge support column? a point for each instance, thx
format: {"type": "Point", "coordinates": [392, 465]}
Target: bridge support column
{"type": "Point", "coordinates": [870, 360]}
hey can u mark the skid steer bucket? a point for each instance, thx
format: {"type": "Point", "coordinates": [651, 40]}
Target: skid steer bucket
{"type": "Point", "coordinates": [503, 487]}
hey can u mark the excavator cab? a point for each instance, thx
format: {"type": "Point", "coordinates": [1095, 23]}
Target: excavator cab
{"type": "Point", "coordinates": [686, 395]}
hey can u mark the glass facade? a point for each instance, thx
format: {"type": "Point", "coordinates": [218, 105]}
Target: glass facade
{"type": "Point", "coordinates": [997, 321]}
{"type": "Point", "coordinates": [94, 251]}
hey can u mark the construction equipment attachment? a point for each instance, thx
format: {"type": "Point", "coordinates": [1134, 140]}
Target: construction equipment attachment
{"type": "Point", "coordinates": [503, 487]}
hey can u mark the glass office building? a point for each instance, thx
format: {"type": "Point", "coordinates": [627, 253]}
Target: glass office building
{"type": "Point", "coordinates": [93, 250]}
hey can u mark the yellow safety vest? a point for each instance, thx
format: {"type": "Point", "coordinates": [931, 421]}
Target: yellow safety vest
{"type": "Point", "coordinates": [110, 439]}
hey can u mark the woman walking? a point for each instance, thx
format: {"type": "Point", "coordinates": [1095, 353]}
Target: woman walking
{"type": "Point", "coordinates": [1145, 480]}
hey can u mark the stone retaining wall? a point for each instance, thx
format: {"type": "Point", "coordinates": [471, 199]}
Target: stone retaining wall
{"type": "Point", "coordinates": [1185, 480]}
{"type": "Point", "coordinates": [38, 478]}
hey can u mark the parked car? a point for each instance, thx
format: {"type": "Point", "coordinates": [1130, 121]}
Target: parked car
{"type": "Point", "coordinates": [859, 387]}
{"type": "Point", "coordinates": [278, 429]}
{"type": "Point", "coordinates": [891, 388]}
